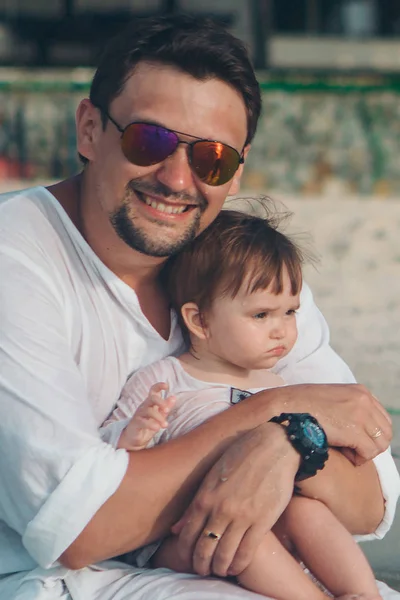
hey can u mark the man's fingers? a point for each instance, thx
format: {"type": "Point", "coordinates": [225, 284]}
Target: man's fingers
{"type": "Point", "coordinates": [226, 551]}
{"type": "Point", "coordinates": [372, 410]}
{"type": "Point", "coordinates": [382, 409]}
{"type": "Point", "coordinates": [178, 526]}
{"type": "Point", "coordinates": [190, 528]}
{"type": "Point", "coordinates": [379, 429]}
{"type": "Point", "coordinates": [359, 422]}
{"type": "Point", "coordinates": [367, 449]}
{"type": "Point", "coordinates": [207, 544]}
{"type": "Point", "coordinates": [246, 549]}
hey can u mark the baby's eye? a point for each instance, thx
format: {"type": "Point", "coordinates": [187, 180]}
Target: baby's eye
{"type": "Point", "coordinates": [292, 311]}
{"type": "Point", "coordinates": [261, 315]}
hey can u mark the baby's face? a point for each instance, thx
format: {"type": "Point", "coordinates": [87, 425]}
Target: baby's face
{"type": "Point", "coordinates": [253, 330]}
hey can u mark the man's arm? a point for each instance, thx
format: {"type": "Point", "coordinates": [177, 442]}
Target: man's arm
{"type": "Point", "coordinates": [158, 486]}
{"type": "Point", "coordinates": [344, 487]}
{"type": "Point", "coordinates": [161, 481]}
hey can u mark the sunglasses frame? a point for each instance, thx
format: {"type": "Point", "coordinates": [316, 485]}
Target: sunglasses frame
{"type": "Point", "coordinates": [122, 130]}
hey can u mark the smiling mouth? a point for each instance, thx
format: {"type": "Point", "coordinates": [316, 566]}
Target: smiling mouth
{"type": "Point", "coordinates": [169, 209]}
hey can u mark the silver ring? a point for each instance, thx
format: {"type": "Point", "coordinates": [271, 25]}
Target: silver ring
{"type": "Point", "coordinates": [212, 535]}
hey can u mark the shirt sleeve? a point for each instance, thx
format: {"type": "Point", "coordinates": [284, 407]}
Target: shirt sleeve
{"type": "Point", "coordinates": [312, 360]}
{"type": "Point", "coordinates": [111, 432]}
{"type": "Point", "coordinates": [55, 470]}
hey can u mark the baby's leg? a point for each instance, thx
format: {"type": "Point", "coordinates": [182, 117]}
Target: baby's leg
{"type": "Point", "coordinates": [273, 571]}
{"type": "Point", "coordinates": [327, 548]}
{"type": "Point", "coordinates": [167, 556]}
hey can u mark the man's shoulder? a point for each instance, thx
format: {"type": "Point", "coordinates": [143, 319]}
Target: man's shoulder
{"type": "Point", "coordinates": [23, 196]}
{"type": "Point", "coordinates": [31, 224]}
{"type": "Point", "coordinates": [26, 212]}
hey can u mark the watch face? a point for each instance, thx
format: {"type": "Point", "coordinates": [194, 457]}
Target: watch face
{"type": "Point", "coordinates": [314, 434]}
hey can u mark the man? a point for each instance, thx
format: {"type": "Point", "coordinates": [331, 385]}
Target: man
{"type": "Point", "coordinates": [172, 110]}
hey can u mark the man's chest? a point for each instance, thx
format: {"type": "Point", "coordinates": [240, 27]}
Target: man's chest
{"type": "Point", "coordinates": [109, 341]}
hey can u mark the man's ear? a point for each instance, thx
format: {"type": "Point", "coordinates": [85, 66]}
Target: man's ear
{"type": "Point", "coordinates": [235, 185]}
{"type": "Point", "coordinates": [87, 120]}
{"type": "Point", "coordinates": [194, 320]}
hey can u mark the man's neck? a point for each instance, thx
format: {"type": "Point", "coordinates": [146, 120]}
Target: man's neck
{"type": "Point", "coordinates": [134, 268]}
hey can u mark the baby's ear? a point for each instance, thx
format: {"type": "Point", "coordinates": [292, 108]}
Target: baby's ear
{"type": "Point", "coordinates": [194, 320]}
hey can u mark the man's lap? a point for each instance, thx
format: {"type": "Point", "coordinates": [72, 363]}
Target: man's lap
{"type": "Point", "coordinates": [127, 583]}
{"type": "Point", "coordinates": [112, 580]}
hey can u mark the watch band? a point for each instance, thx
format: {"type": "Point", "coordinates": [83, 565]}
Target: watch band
{"type": "Point", "coordinates": [308, 437]}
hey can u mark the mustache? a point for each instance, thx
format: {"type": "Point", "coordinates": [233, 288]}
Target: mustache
{"type": "Point", "coordinates": [161, 190]}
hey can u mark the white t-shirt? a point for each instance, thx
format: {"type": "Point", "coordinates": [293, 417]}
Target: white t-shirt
{"type": "Point", "coordinates": [71, 333]}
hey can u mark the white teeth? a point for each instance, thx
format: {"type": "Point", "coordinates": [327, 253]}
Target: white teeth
{"type": "Point", "coordinates": [167, 208]}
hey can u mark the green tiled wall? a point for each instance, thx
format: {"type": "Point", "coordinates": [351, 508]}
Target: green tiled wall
{"type": "Point", "coordinates": [313, 134]}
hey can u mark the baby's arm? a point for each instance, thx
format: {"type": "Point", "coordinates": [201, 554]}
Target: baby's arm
{"type": "Point", "coordinates": [149, 418]}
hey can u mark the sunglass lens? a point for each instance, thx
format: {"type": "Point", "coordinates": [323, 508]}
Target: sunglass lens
{"type": "Point", "coordinates": [146, 145]}
{"type": "Point", "coordinates": [214, 162]}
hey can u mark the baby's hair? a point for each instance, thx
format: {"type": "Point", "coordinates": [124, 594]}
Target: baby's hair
{"type": "Point", "coordinates": [236, 250]}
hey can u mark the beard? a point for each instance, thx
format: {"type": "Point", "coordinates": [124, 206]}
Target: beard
{"type": "Point", "coordinates": [123, 221]}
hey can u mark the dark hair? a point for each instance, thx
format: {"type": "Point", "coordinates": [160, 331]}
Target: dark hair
{"type": "Point", "coordinates": [196, 45]}
{"type": "Point", "coordinates": [236, 249]}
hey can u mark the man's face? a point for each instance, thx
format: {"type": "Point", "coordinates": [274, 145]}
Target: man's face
{"type": "Point", "coordinates": [158, 209]}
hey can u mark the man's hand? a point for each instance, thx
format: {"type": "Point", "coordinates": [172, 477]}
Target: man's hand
{"type": "Point", "coordinates": [351, 416]}
{"type": "Point", "coordinates": [239, 500]}
{"type": "Point", "coordinates": [249, 487]}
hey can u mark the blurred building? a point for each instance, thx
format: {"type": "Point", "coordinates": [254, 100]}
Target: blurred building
{"type": "Point", "coordinates": [322, 34]}
{"type": "Point", "coordinates": [329, 72]}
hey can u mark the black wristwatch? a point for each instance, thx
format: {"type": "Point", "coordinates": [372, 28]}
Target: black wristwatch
{"type": "Point", "coordinates": [308, 438]}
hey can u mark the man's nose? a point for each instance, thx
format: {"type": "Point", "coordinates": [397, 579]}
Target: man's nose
{"type": "Point", "coordinates": [175, 172]}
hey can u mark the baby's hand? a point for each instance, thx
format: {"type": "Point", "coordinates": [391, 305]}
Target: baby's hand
{"type": "Point", "coordinates": [149, 418]}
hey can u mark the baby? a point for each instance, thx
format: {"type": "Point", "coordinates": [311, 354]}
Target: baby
{"type": "Point", "coordinates": [236, 291]}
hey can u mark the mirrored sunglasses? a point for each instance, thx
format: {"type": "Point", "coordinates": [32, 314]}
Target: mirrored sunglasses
{"type": "Point", "coordinates": [146, 144]}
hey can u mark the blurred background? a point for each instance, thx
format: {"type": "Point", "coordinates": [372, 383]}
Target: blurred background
{"type": "Point", "coordinates": [327, 147]}
{"type": "Point", "coordinates": [329, 69]}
